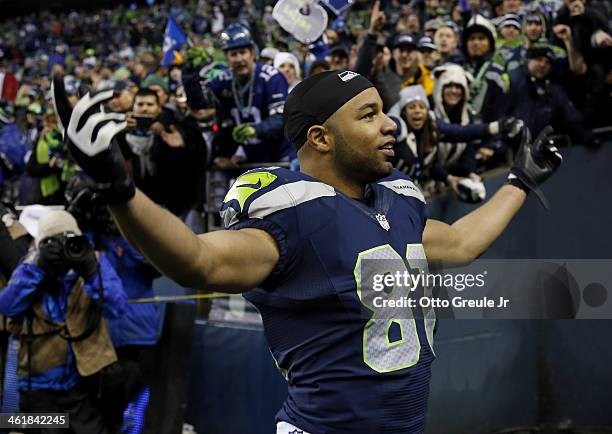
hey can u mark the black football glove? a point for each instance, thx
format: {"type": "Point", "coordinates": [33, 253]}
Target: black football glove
{"type": "Point", "coordinates": [89, 132]}
{"type": "Point", "coordinates": [535, 162]}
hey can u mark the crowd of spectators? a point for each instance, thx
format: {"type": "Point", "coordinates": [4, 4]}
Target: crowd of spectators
{"type": "Point", "coordinates": [459, 78]}
{"type": "Point", "coordinates": [479, 63]}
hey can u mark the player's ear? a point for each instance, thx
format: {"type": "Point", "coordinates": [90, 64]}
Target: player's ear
{"type": "Point", "coordinates": [319, 138]}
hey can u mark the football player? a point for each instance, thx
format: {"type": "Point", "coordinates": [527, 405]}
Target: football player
{"type": "Point", "coordinates": [303, 241]}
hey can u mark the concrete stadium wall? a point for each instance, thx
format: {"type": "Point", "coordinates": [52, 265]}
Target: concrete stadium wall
{"type": "Point", "coordinates": [489, 374]}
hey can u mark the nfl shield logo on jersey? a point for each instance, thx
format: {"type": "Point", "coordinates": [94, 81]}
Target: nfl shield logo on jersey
{"type": "Point", "coordinates": [382, 219]}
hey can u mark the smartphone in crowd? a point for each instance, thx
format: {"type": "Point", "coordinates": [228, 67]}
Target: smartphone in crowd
{"type": "Point", "coordinates": [142, 122]}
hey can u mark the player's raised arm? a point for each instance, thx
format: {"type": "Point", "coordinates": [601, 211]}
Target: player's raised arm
{"type": "Point", "coordinates": [470, 236]}
{"type": "Point", "coordinates": [230, 261]}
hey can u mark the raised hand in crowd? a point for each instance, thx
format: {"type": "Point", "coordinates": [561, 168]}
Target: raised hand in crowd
{"type": "Point", "coordinates": [377, 19]}
{"type": "Point", "coordinates": [563, 32]}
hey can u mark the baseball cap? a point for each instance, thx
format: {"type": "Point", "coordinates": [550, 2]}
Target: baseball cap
{"type": "Point", "coordinates": [404, 40]}
{"type": "Point", "coordinates": [427, 42]}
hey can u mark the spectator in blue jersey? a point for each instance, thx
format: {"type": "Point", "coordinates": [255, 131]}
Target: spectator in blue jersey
{"type": "Point", "coordinates": [61, 296]}
{"type": "Point", "coordinates": [297, 245]}
{"type": "Point", "coordinates": [135, 333]}
{"type": "Point", "coordinates": [250, 96]}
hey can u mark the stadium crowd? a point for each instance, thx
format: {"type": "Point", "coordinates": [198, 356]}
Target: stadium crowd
{"type": "Point", "coordinates": [459, 78]}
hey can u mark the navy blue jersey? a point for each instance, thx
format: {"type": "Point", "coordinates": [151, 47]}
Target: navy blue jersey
{"type": "Point", "coordinates": [346, 372]}
{"type": "Point", "coordinates": [259, 103]}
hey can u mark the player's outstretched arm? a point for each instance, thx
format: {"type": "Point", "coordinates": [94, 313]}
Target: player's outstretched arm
{"type": "Point", "coordinates": [229, 261]}
{"type": "Point", "coordinates": [470, 236]}
{"type": "Point", "coordinates": [226, 261]}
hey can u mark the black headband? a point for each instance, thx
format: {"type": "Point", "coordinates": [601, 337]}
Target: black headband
{"type": "Point", "coordinates": [318, 97]}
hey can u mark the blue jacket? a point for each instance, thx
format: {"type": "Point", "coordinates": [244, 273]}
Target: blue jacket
{"type": "Point", "coordinates": [139, 323]}
{"type": "Point", "coordinates": [29, 285]}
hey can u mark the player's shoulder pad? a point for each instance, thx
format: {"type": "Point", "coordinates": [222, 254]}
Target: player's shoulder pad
{"type": "Point", "coordinates": [267, 72]}
{"type": "Point", "coordinates": [402, 184]}
{"type": "Point", "coordinates": [259, 193]}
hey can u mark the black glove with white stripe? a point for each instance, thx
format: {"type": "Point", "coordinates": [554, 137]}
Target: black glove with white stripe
{"type": "Point", "coordinates": [89, 133]}
{"type": "Point", "coordinates": [534, 163]}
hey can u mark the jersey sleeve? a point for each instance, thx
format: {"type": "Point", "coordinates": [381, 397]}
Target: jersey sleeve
{"type": "Point", "coordinates": [266, 199]}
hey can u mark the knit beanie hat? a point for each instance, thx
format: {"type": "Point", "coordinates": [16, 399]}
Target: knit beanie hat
{"type": "Point", "coordinates": [54, 223]}
{"type": "Point", "coordinates": [413, 93]}
{"type": "Point", "coordinates": [152, 80]}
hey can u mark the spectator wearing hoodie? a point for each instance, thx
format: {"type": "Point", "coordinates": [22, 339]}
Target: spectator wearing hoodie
{"type": "Point", "coordinates": [489, 87]}
{"type": "Point", "coordinates": [450, 106]}
{"type": "Point", "coordinates": [417, 147]}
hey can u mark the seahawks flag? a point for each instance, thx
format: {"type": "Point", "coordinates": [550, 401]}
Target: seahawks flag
{"type": "Point", "coordinates": [174, 38]}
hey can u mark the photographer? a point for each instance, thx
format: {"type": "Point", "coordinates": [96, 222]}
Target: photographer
{"type": "Point", "coordinates": [61, 293]}
{"type": "Point", "coordinates": [134, 334]}
{"type": "Point", "coordinates": [164, 161]}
